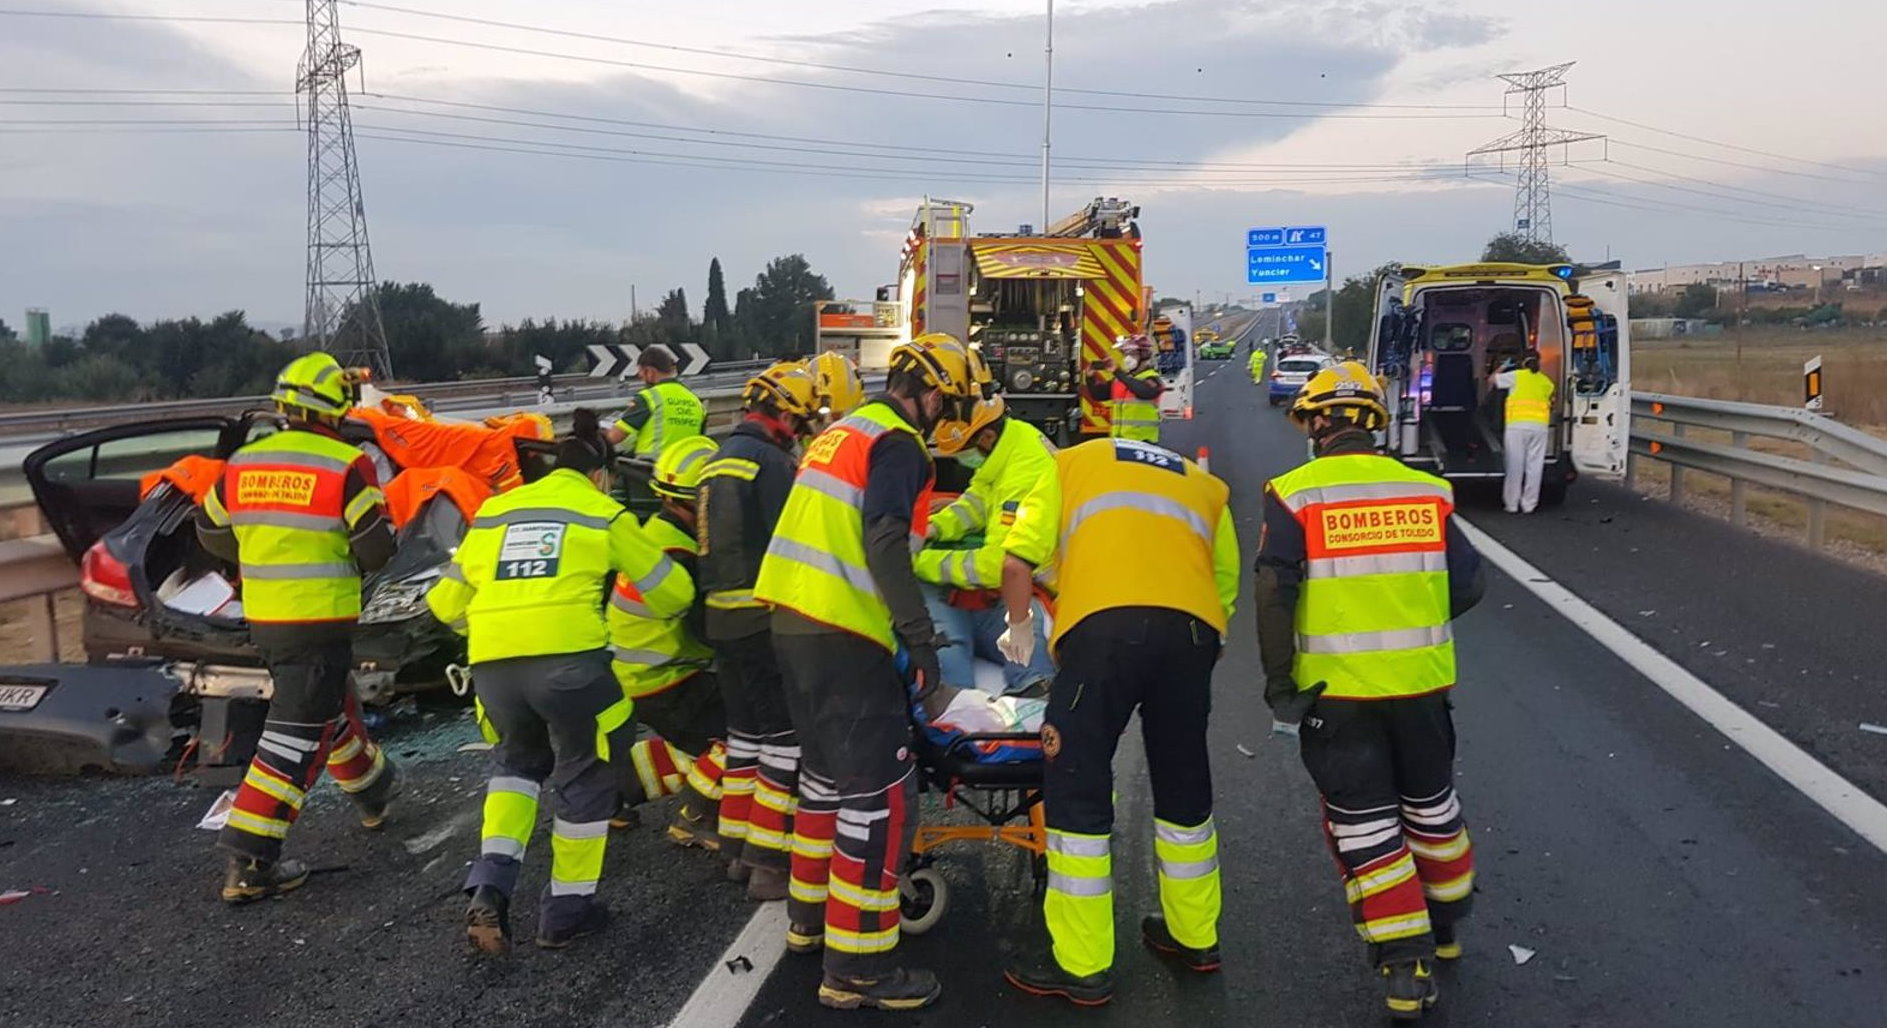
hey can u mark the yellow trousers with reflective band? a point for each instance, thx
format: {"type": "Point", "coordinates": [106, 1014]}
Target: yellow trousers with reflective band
{"type": "Point", "coordinates": [1188, 858]}
{"type": "Point", "coordinates": [554, 717]}
{"type": "Point", "coordinates": [1079, 906]}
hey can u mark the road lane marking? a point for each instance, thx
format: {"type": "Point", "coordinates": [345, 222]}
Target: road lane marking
{"type": "Point", "coordinates": [1833, 793]}
{"type": "Point", "coordinates": [724, 995]}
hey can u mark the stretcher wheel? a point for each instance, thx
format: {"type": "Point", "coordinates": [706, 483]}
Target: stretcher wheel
{"type": "Point", "coordinates": [923, 899]}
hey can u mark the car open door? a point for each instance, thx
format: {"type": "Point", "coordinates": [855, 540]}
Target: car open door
{"type": "Point", "coordinates": [87, 484]}
{"type": "Point", "coordinates": [1176, 397]}
{"type": "Point", "coordinates": [1401, 436]}
{"type": "Point", "coordinates": [1598, 376]}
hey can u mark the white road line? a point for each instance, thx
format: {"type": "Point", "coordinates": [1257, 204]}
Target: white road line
{"type": "Point", "coordinates": [1833, 793]}
{"type": "Point", "coordinates": [724, 995]}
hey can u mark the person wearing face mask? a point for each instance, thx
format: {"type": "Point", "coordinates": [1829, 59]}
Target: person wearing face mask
{"type": "Point", "coordinates": [528, 586]}
{"type": "Point", "coordinates": [845, 600]}
{"type": "Point", "coordinates": [1131, 391]}
{"type": "Point", "coordinates": [1013, 467]}
{"type": "Point", "coordinates": [738, 501]}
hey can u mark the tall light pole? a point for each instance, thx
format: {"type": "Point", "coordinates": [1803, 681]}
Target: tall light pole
{"type": "Point", "coordinates": [1048, 102]}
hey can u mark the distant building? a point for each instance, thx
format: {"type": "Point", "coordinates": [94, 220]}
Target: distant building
{"type": "Point", "coordinates": [38, 326]}
{"type": "Point", "coordinates": [1795, 271]}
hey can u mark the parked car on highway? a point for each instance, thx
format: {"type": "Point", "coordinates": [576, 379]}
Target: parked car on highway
{"type": "Point", "coordinates": [1290, 373]}
{"type": "Point", "coordinates": [1215, 348]}
{"type": "Point", "coordinates": [156, 602]}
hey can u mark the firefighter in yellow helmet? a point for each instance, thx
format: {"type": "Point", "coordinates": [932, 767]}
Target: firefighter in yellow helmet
{"type": "Point", "coordinates": [528, 586]}
{"type": "Point", "coordinates": [664, 665]}
{"type": "Point", "coordinates": [1359, 574]}
{"type": "Point", "coordinates": [838, 574]}
{"type": "Point", "coordinates": [738, 502]}
{"type": "Point", "coordinates": [838, 386]}
{"type": "Point", "coordinates": [1012, 466]}
{"type": "Point", "coordinates": [301, 514]}
{"type": "Point", "coordinates": [1141, 641]}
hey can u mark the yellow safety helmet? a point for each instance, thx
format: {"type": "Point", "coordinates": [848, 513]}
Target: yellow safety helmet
{"type": "Point", "coordinates": [316, 384]}
{"type": "Point", "coordinates": [787, 387]}
{"type": "Point", "coordinates": [678, 469]}
{"type": "Point", "coordinates": [1346, 389]}
{"type": "Point", "coordinates": [940, 361]}
{"type": "Point", "coordinates": [983, 378]}
{"type": "Point", "coordinates": [837, 385]}
{"type": "Point", "coordinates": [954, 436]}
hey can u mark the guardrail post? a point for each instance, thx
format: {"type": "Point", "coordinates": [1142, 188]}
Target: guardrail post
{"type": "Point", "coordinates": [1677, 473]}
{"type": "Point", "coordinates": [1739, 491]}
{"type": "Point", "coordinates": [1817, 512]}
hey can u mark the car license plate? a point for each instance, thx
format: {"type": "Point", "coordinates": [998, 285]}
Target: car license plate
{"type": "Point", "coordinates": [21, 697]}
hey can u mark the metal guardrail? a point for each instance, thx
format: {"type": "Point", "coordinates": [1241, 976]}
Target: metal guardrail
{"type": "Point", "coordinates": [1846, 467]}
{"type": "Point", "coordinates": [45, 425]}
{"type": "Point", "coordinates": [38, 568]}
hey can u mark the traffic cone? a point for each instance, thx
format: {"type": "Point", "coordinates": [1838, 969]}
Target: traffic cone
{"type": "Point", "coordinates": [1205, 459]}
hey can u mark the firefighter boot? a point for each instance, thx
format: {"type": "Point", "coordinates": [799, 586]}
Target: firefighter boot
{"type": "Point", "coordinates": [1045, 977]}
{"type": "Point", "coordinates": [739, 870]}
{"type": "Point", "coordinates": [488, 920]}
{"type": "Point", "coordinates": [696, 823]}
{"type": "Point", "coordinates": [805, 938]}
{"type": "Point", "coordinates": [249, 880]}
{"type": "Point", "coordinates": [593, 919]}
{"type": "Point", "coordinates": [766, 883]}
{"type": "Point", "coordinates": [1411, 989]}
{"type": "Point", "coordinates": [1159, 939]}
{"type": "Point", "coordinates": [375, 800]}
{"type": "Point", "coordinates": [902, 989]}
{"type": "Point", "coordinates": [1447, 941]}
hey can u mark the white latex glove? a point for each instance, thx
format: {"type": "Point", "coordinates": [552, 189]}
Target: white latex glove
{"type": "Point", "coordinates": [1017, 642]}
{"type": "Point", "coordinates": [1283, 728]}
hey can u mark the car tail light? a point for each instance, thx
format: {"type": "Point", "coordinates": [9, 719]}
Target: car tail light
{"type": "Point", "coordinates": [105, 578]}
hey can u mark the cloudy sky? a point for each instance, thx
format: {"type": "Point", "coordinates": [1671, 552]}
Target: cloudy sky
{"type": "Point", "coordinates": [542, 156]}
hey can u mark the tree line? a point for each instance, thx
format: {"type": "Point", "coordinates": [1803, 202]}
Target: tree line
{"type": "Point", "coordinates": [430, 339]}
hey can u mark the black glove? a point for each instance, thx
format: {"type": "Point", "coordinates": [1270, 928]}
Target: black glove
{"type": "Point", "coordinates": [1288, 713]}
{"type": "Point", "coordinates": [924, 669]}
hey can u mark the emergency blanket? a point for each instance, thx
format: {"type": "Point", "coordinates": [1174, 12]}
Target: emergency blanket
{"type": "Point", "coordinates": [194, 476]}
{"type": "Point", "coordinates": [488, 453]}
{"type": "Point", "coordinates": [410, 490]}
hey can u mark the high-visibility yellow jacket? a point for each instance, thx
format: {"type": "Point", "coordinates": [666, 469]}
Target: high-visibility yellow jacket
{"type": "Point", "coordinates": [1134, 418]}
{"type": "Point", "coordinates": [294, 499]}
{"type": "Point", "coordinates": [1020, 471]}
{"type": "Point", "coordinates": [661, 414]}
{"type": "Point", "coordinates": [1530, 399]}
{"type": "Point", "coordinates": [1125, 497]}
{"type": "Point", "coordinates": [650, 652]}
{"type": "Point", "coordinates": [1373, 615]}
{"type": "Point", "coordinates": [530, 575]}
{"type": "Point", "coordinates": [815, 565]}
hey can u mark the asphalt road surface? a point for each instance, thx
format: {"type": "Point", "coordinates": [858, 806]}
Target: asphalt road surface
{"type": "Point", "coordinates": [1660, 874]}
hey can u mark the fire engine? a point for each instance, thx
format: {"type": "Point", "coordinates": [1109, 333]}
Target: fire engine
{"type": "Point", "coordinates": [1041, 306]}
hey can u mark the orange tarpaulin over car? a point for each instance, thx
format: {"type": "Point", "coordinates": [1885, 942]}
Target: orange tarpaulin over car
{"type": "Point", "coordinates": [193, 475]}
{"type": "Point", "coordinates": [486, 453]}
{"type": "Point", "coordinates": [410, 490]}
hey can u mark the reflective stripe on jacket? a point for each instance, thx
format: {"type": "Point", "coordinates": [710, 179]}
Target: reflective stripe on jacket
{"type": "Point", "coordinates": [1530, 399]}
{"type": "Point", "coordinates": [650, 652]}
{"type": "Point", "coordinates": [529, 577]}
{"type": "Point", "coordinates": [1122, 498]}
{"type": "Point", "coordinates": [1373, 616]}
{"type": "Point", "coordinates": [1132, 417]}
{"type": "Point", "coordinates": [1020, 471]}
{"type": "Point", "coordinates": [674, 413]}
{"type": "Point", "coordinates": [815, 565]}
{"type": "Point", "coordinates": [286, 496]}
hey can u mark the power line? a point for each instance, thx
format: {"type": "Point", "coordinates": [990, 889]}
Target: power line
{"type": "Point", "coordinates": [1709, 210]}
{"type": "Point", "coordinates": [1786, 201]}
{"type": "Point", "coordinates": [1725, 146]}
{"type": "Point", "coordinates": [915, 76]}
{"type": "Point", "coordinates": [1728, 163]}
{"type": "Point", "coordinates": [734, 76]}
